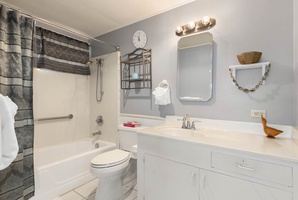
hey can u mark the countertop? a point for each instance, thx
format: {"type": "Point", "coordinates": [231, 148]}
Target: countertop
{"type": "Point", "coordinates": [282, 148]}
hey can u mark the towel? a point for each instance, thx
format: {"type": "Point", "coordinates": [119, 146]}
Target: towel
{"type": "Point", "coordinates": [8, 141]}
{"type": "Point", "coordinates": [162, 93]}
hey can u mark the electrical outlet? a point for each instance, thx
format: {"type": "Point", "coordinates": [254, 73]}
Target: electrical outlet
{"type": "Point", "coordinates": [258, 113]}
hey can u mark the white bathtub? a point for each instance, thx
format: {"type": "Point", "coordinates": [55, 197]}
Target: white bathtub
{"type": "Point", "coordinates": [61, 168]}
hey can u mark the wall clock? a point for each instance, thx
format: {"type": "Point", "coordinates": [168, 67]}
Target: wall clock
{"type": "Point", "coordinates": [139, 39]}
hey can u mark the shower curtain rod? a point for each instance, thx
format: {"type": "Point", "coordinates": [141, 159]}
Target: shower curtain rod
{"type": "Point", "coordinates": [59, 26]}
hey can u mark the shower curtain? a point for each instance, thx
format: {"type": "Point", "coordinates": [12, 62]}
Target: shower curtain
{"type": "Point", "coordinates": [16, 34]}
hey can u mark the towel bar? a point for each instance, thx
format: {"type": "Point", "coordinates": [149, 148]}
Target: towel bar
{"type": "Point", "coordinates": [70, 116]}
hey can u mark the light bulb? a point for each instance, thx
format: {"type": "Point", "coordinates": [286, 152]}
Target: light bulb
{"type": "Point", "coordinates": [191, 25]}
{"type": "Point", "coordinates": [206, 20]}
{"type": "Point", "coordinates": [179, 29]}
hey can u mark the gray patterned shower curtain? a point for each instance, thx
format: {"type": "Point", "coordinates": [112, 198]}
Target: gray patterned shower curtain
{"type": "Point", "coordinates": [16, 70]}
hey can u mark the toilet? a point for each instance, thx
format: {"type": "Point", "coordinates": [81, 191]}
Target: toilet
{"type": "Point", "coordinates": [117, 169]}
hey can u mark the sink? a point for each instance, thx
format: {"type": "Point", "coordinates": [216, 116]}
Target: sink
{"type": "Point", "coordinates": [177, 132]}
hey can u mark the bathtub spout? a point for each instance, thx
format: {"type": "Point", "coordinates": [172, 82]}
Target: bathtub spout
{"type": "Point", "coordinates": [96, 133]}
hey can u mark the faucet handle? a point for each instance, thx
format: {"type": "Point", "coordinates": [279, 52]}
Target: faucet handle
{"type": "Point", "coordinates": [185, 117]}
{"type": "Point", "coordinates": [193, 125]}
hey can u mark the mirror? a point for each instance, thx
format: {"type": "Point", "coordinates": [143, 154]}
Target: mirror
{"type": "Point", "coordinates": [195, 67]}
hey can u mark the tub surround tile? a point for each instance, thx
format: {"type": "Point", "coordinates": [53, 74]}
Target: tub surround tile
{"type": "Point", "coordinates": [65, 88]}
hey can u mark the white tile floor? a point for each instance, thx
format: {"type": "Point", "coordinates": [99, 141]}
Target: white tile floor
{"type": "Point", "coordinates": [87, 192]}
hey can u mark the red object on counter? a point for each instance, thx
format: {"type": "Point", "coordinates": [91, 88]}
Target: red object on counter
{"type": "Point", "coordinates": [132, 124]}
{"type": "Point", "coordinates": [129, 125]}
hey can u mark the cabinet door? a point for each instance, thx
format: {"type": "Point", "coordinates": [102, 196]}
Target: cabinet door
{"type": "Point", "coordinates": [169, 180]}
{"type": "Point", "coordinates": [215, 186]}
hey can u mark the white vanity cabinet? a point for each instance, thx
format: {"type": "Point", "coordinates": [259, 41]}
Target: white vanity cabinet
{"type": "Point", "coordinates": [166, 179]}
{"type": "Point", "coordinates": [175, 169]}
{"type": "Point", "coordinates": [216, 186]}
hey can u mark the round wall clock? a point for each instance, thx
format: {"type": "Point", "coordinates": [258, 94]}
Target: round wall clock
{"type": "Point", "coordinates": [139, 39]}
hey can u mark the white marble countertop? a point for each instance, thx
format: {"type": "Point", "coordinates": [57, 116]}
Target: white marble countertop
{"type": "Point", "coordinates": [282, 148]}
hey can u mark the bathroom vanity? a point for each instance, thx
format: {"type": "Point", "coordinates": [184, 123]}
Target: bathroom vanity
{"type": "Point", "coordinates": [206, 164]}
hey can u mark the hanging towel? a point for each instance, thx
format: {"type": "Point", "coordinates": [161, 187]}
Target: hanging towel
{"type": "Point", "coordinates": [8, 141]}
{"type": "Point", "coordinates": [162, 93]}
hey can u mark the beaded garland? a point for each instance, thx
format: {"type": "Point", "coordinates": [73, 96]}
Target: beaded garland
{"type": "Point", "coordinates": [256, 86]}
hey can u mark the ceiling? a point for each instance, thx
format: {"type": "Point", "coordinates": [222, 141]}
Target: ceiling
{"type": "Point", "coordinates": [94, 17]}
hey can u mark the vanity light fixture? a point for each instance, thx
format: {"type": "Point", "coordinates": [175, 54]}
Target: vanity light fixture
{"type": "Point", "coordinates": [195, 27]}
{"type": "Point", "coordinates": [191, 25]}
{"type": "Point", "coordinates": [179, 30]}
{"type": "Point", "coordinates": [206, 20]}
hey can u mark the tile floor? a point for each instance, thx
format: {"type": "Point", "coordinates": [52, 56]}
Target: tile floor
{"type": "Point", "coordinates": [87, 192]}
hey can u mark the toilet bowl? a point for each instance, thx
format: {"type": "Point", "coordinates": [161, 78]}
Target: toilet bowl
{"type": "Point", "coordinates": [116, 171]}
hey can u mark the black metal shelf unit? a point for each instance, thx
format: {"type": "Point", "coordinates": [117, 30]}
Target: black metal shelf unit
{"type": "Point", "coordinates": [136, 70]}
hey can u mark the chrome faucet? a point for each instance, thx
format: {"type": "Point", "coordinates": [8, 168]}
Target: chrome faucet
{"type": "Point", "coordinates": [96, 133]}
{"type": "Point", "coordinates": [186, 122]}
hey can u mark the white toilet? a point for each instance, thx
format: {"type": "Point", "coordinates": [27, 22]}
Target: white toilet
{"type": "Point", "coordinates": [116, 169]}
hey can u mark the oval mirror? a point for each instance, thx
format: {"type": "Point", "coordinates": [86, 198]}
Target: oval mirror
{"type": "Point", "coordinates": [195, 67]}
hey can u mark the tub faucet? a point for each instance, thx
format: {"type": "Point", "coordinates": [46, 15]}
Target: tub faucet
{"type": "Point", "coordinates": [96, 133]}
{"type": "Point", "coordinates": [186, 122]}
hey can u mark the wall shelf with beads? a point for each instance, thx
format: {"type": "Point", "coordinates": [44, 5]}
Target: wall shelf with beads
{"type": "Point", "coordinates": [265, 70]}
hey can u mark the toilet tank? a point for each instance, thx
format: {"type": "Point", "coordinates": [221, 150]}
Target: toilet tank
{"type": "Point", "coordinates": [127, 137]}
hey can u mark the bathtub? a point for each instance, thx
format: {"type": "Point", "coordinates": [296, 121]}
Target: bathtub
{"type": "Point", "coordinates": [61, 168]}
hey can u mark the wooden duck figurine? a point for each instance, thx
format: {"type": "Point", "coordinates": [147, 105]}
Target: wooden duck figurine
{"type": "Point", "coordinates": [270, 132]}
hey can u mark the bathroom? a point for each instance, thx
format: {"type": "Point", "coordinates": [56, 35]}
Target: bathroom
{"type": "Point", "coordinates": [241, 26]}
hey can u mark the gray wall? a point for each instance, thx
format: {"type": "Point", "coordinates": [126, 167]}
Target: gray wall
{"type": "Point", "coordinates": [242, 25]}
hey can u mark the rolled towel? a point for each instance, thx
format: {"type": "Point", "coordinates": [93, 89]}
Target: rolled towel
{"type": "Point", "coordinates": [9, 144]}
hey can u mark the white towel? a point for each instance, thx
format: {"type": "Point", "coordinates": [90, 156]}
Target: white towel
{"type": "Point", "coordinates": [162, 93]}
{"type": "Point", "coordinates": [9, 145]}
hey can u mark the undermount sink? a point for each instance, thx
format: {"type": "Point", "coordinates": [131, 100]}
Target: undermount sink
{"type": "Point", "coordinates": [178, 132]}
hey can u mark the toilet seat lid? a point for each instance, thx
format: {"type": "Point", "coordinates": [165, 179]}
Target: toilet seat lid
{"type": "Point", "coordinates": [110, 158]}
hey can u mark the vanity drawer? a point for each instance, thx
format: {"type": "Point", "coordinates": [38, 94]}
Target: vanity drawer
{"type": "Point", "coordinates": [275, 173]}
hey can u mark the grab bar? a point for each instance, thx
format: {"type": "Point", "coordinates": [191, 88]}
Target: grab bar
{"type": "Point", "coordinates": [70, 116]}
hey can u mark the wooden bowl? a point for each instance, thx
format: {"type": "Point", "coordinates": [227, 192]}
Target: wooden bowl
{"type": "Point", "coordinates": [249, 57]}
